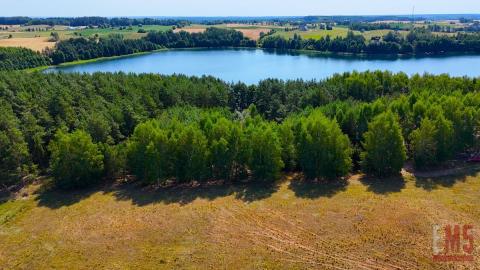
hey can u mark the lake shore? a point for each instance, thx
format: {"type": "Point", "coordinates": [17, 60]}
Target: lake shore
{"type": "Point", "coordinates": [290, 52]}
{"type": "Point", "coordinates": [250, 65]}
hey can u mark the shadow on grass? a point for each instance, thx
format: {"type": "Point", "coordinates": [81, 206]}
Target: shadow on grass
{"type": "Point", "coordinates": [185, 194]}
{"type": "Point", "coordinates": [51, 197]}
{"type": "Point", "coordinates": [249, 192]}
{"type": "Point", "coordinates": [383, 186]}
{"type": "Point", "coordinates": [317, 188]}
{"type": "Point", "coordinates": [432, 183]}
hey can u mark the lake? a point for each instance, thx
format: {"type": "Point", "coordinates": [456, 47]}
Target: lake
{"type": "Point", "coordinates": [253, 65]}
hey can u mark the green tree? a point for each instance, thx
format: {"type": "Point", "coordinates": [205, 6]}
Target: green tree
{"type": "Point", "coordinates": [98, 127]}
{"type": "Point", "coordinates": [149, 153]}
{"type": "Point", "coordinates": [264, 151]}
{"type": "Point", "coordinates": [384, 150]}
{"type": "Point", "coordinates": [115, 160]}
{"type": "Point", "coordinates": [190, 153]}
{"type": "Point", "coordinates": [35, 138]}
{"type": "Point", "coordinates": [14, 156]}
{"type": "Point", "coordinates": [424, 145]}
{"type": "Point", "coordinates": [287, 141]}
{"type": "Point", "coordinates": [75, 160]}
{"type": "Point", "coordinates": [324, 151]}
{"type": "Point", "coordinates": [225, 139]}
{"type": "Point", "coordinates": [444, 138]}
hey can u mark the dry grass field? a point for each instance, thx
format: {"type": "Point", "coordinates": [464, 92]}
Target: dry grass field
{"type": "Point", "coordinates": [250, 31]}
{"type": "Point", "coordinates": [35, 43]}
{"type": "Point", "coordinates": [360, 224]}
{"type": "Point", "coordinates": [38, 40]}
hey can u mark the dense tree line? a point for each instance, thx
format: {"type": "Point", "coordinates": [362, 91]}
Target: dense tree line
{"type": "Point", "coordinates": [365, 26]}
{"type": "Point", "coordinates": [418, 41]}
{"type": "Point", "coordinates": [83, 49]}
{"type": "Point", "coordinates": [115, 45]}
{"type": "Point", "coordinates": [87, 21]}
{"type": "Point", "coordinates": [211, 37]}
{"type": "Point", "coordinates": [188, 144]}
{"type": "Point", "coordinates": [21, 58]}
{"type": "Point", "coordinates": [176, 129]}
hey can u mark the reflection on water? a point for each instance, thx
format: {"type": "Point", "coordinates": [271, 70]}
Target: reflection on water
{"type": "Point", "coordinates": [252, 65]}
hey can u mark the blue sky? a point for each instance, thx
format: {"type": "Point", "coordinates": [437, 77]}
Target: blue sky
{"type": "Point", "coordinates": [231, 8]}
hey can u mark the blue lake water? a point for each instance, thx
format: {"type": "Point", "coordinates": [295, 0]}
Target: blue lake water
{"type": "Point", "coordinates": [253, 65]}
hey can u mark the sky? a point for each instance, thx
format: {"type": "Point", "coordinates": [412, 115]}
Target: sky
{"type": "Point", "coordinates": [48, 8]}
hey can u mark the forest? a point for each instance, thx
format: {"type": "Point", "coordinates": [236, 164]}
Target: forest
{"type": "Point", "coordinates": [86, 21]}
{"type": "Point", "coordinates": [83, 49]}
{"type": "Point", "coordinates": [211, 38]}
{"type": "Point", "coordinates": [365, 26]}
{"type": "Point", "coordinates": [21, 58]}
{"type": "Point", "coordinates": [75, 49]}
{"type": "Point", "coordinates": [417, 41]}
{"type": "Point", "coordinates": [82, 129]}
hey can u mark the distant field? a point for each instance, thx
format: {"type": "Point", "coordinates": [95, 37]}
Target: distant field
{"type": "Point", "coordinates": [35, 43]}
{"type": "Point", "coordinates": [335, 32]}
{"type": "Point", "coordinates": [314, 33]}
{"type": "Point", "coordinates": [37, 40]}
{"type": "Point", "coordinates": [361, 224]}
{"type": "Point", "coordinates": [127, 33]}
{"type": "Point", "coordinates": [340, 32]}
{"type": "Point", "coordinates": [65, 32]}
{"type": "Point", "coordinates": [250, 31]}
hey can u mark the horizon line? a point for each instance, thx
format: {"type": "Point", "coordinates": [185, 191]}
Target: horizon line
{"type": "Point", "coordinates": [241, 16]}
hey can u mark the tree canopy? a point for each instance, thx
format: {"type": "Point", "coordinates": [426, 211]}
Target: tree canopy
{"type": "Point", "coordinates": [384, 146]}
{"type": "Point", "coordinates": [178, 129]}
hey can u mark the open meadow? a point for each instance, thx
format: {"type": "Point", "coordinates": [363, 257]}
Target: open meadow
{"type": "Point", "coordinates": [37, 37]}
{"type": "Point", "coordinates": [34, 43]}
{"type": "Point", "coordinates": [248, 30]}
{"type": "Point", "coordinates": [360, 224]}
{"type": "Point", "coordinates": [341, 32]}
{"type": "Point", "coordinates": [19, 36]}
